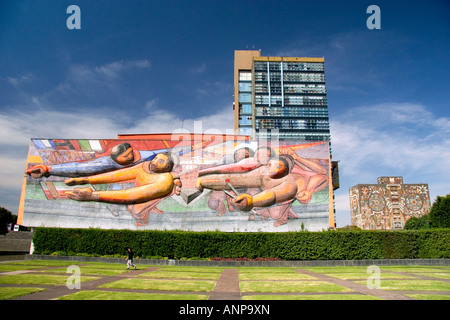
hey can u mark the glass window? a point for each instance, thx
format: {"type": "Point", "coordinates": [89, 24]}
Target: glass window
{"type": "Point", "coordinates": [246, 109]}
{"type": "Point", "coordinates": [245, 76]}
{"type": "Point", "coordinates": [245, 87]}
{"type": "Point", "coordinates": [245, 97]}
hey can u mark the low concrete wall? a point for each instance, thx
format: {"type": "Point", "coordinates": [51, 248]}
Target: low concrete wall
{"type": "Point", "coordinates": [207, 263]}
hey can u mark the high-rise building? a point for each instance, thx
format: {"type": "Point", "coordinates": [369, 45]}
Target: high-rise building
{"type": "Point", "coordinates": [280, 98]}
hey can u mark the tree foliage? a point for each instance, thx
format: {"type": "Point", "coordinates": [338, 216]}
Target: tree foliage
{"type": "Point", "coordinates": [439, 216]}
{"type": "Point", "coordinates": [6, 217]}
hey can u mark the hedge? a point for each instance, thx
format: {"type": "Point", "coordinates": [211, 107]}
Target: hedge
{"type": "Point", "coordinates": [326, 245]}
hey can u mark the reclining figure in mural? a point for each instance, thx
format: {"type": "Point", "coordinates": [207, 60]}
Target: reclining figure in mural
{"type": "Point", "coordinates": [153, 181]}
{"type": "Point", "coordinates": [274, 183]}
{"type": "Point", "coordinates": [121, 156]}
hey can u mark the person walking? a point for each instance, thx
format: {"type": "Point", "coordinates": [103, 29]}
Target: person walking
{"type": "Point", "coordinates": [130, 259]}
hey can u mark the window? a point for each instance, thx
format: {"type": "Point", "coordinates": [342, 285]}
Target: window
{"type": "Point", "coordinates": [245, 87]}
{"type": "Point", "coordinates": [245, 97]}
{"type": "Point", "coordinates": [245, 76]}
{"type": "Point", "coordinates": [245, 109]}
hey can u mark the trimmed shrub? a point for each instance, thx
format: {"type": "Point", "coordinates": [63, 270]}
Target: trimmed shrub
{"type": "Point", "coordinates": [326, 245]}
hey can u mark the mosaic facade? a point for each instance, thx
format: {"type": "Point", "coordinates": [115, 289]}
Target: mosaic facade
{"type": "Point", "coordinates": [388, 204]}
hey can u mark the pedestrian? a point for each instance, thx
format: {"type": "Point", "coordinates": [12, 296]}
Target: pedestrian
{"type": "Point", "coordinates": [129, 259]}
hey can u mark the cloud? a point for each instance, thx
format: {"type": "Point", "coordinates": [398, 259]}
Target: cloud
{"type": "Point", "coordinates": [199, 69]}
{"type": "Point", "coordinates": [18, 127]}
{"type": "Point", "coordinates": [398, 139]}
{"type": "Point", "coordinates": [115, 69]}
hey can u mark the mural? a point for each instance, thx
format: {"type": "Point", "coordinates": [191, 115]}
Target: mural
{"type": "Point", "coordinates": [388, 204]}
{"type": "Point", "coordinates": [177, 182]}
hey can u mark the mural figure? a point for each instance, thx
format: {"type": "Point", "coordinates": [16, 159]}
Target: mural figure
{"type": "Point", "coordinates": [273, 183]}
{"type": "Point", "coordinates": [217, 198]}
{"type": "Point", "coordinates": [274, 179]}
{"type": "Point", "coordinates": [310, 175]}
{"type": "Point", "coordinates": [122, 155]}
{"type": "Point", "coordinates": [153, 181]}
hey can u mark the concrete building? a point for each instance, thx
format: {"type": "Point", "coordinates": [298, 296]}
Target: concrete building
{"type": "Point", "coordinates": [280, 98]}
{"type": "Point", "coordinates": [388, 204]}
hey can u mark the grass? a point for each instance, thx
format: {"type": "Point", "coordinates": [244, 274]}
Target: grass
{"type": "Point", "coordinates": [7, 293]}
{"type": "Point", "coordinates": [37, 279]}
{"type": "Point", "coordinates": [156, 284]}
{"type": "Point", "coordinates": [291, 286]}
{"type": "Point", "coordinates": [180, 275]}
{"type": "Point", "coordinates": [88, 271]}
{"type": "Point", "coordinates": [413, 285]}
{"type": "Point", "coordinates": [422, 296]}
{"type": "Point", "coordinates": [113, 295]}
{"type": "Point", "coordinates": [275, 276]}
{"type": "Point", "coordinates": [256, 283]}
{"type": "Point", "coordinates": [355, 276]}
{"type": "Point", "coordinates": [311, 297]}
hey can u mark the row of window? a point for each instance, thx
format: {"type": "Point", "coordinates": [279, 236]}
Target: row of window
{"type": "Point", "coordinates": [245, 76]}
{"type": "Point", "coordinates": [289, 88]}
{"type": "Point", "coordinates": [292, 136]}
{"type": "Point", "coordinates": [289, 111]}
{"type": "Point", "coordinates": [289, 66]}
{"type": "Point", "coordinates": [288, 100]}
{"type": "Point", "coordinates": [293, 77]}
{"type": "Point", "coordinates": [292, 124]}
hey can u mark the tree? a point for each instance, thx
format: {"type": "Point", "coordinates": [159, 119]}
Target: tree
{"type": "Point", "coordinates": [440, 212]}
{"type": "Point", "coordinates": [415, 223]}
{"type": "Point", "coordinates": [438, 217]}
{"type": "Point", "coordinates": [5, 219]}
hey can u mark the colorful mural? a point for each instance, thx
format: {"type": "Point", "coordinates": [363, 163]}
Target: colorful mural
{"type": "Point", "coordinates": [388, 204]}
{"type": "Point", "coordinates": [178, 182]}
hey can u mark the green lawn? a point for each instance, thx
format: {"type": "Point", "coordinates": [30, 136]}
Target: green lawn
{"type": "Point", "coordinates": [89, 271]}
{"type": "Point", "coordinates": [311, 297]}
{"type": "Point", "coordinates": [291, 286]}
{"type": "Point", "coordinates": [38, 279]}
{"type": "Point", "coordinates": [7, 293]}
{"type": "Point", "coordinates": [156, 284]}
{"type": "Point", "coordinates": [113, 295]}
{"type": "Point", "coordinates": [413, 285]}
{"type": "Point", "coordinates": [180, 275]}
{"type": "Point", "coordinates": [256, 283]}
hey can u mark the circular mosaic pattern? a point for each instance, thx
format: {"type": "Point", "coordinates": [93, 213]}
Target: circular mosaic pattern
{"type": "Point", "coordinates": [413, 202]}
{"type": "Point", "coordinates": [376, 202]}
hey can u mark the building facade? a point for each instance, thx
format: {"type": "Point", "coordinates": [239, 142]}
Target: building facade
{"type": "Point", "coordinates": [280, 98]}
{"type": "Point", "coordinates": [388, 204]}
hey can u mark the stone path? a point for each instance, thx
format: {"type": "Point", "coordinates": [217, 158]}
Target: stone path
{"type": "Point", "coordinates": [227, 286]}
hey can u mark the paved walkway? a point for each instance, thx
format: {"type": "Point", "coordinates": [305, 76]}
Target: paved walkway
{"type": "Point", "coordinates": [227, 286]}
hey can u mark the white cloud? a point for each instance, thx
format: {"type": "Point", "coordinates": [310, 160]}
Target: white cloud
{"type": "Point", "coordinates": [399, 139]}
{"type": "Point", "coordinates": [19, 127]}
{"type": "Point", "coordinates": [114, 69]}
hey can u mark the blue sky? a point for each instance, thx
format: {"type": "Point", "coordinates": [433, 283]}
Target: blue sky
{"type": "Point", "coordinates": [149, 66]}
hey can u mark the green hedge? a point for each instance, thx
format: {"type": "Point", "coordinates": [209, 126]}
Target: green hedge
{"type": "Point", "coordinates": [326, 245]}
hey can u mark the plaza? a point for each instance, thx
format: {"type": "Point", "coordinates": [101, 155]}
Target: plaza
{"type": "Point", "coordinates": [54, 280]}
